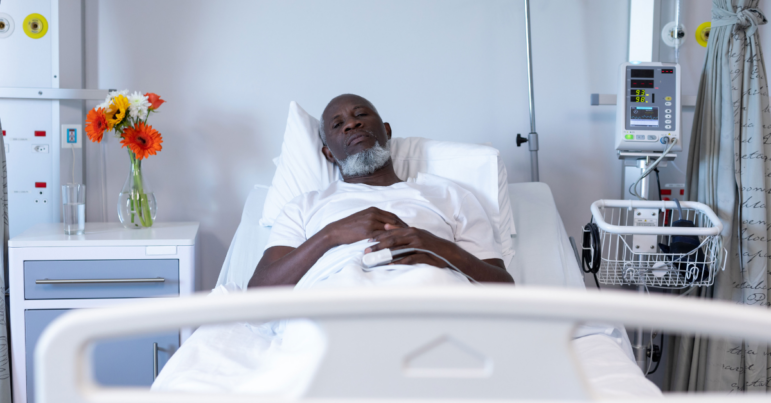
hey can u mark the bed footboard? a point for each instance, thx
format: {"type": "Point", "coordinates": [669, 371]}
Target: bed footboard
{"type": "Point", "coordinates": [380, 340]}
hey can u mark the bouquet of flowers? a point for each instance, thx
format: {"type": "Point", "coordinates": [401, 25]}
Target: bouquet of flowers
{"type": "Point", "coordinates": [126, 114]}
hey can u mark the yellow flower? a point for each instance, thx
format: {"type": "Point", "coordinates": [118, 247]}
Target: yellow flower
{"type": "Point", "coordinates": [117, 110]}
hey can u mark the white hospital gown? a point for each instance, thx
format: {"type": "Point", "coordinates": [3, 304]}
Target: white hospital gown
{"type": "Point", "coordinates": [428, 202]}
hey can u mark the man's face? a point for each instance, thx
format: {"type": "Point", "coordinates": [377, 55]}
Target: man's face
{"type": "Point", "coordinates": [352, 125]}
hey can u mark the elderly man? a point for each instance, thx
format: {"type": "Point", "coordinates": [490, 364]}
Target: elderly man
{"type": "Point", "coordinates": [373, 208]}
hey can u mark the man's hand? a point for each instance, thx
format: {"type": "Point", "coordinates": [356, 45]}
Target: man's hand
{"type": "Point", "coordinates": [282, 265]}
{"type": "Point", "coordinates": [365, 224]}
{"type": "Point", "coordinates": [411, 237]}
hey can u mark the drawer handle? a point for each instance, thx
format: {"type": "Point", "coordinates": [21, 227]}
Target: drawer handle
{"type": "Point", "coordinates": [101, 280]}
{"type": "Point", "coordinates": [155, 361]}
{"type": "Point", "coordinates": [156, 349]}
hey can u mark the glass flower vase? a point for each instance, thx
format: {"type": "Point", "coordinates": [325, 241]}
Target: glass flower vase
{"type": "Point", "coordinates": [136, 202]}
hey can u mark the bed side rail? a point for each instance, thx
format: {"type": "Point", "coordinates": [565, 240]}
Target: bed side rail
{"type": "Point", "coordinates": [535, 323]}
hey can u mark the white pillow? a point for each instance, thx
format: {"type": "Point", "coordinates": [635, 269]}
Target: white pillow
{"type": "Point", "coordinates": [302, 168]}
{"type": "Point", "coordinates": [475, 167]}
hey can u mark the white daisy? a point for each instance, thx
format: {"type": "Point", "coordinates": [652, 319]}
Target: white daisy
{"type": "Point", "coordinates": [138, 105]}
{"type": "Point", "coordinates": [116, 93]}
{"type": "Point", "coordinates": [107, 101]}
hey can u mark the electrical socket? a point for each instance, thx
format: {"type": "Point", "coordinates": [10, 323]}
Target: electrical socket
{"type": "Point", "coordinates": [72, 136]}
{"type": "Point", "coordinates": [40, 148]}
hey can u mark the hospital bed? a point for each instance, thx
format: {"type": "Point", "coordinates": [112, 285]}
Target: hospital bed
{"type": "Point", "coordinates": [541, 340]}
{"type": "Point", "coordinates": [495, 329]}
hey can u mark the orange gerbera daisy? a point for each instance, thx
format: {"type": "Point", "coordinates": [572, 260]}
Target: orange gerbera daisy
{"type": "Point", "coordinates": [142, 139]}
{"type": "Point", "coordinates": [96, 125]}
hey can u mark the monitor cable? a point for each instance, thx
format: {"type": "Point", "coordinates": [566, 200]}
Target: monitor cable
{"type": "Point", "coordinates": [651, 167]}
{"type": "Point", "coordinates": [386, 256]}
{"type": "Point", "coordinates": [591, 254]}
{"type": "Point", "coordinates": [658, 181]}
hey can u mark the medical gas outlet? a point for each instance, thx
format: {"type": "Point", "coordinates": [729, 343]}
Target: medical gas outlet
{"type": "Point", "coordinates": [648, 107]}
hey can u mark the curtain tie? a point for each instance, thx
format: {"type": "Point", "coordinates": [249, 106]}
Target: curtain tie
{"type": "Point", "coordinates": [747, 19]}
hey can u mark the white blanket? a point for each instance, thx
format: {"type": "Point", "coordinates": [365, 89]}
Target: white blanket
{"type": "Point", "coordinates": [279, 359]}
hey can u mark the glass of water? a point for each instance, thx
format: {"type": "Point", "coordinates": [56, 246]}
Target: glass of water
{"type": "Point", "coordinates": [74, 203]}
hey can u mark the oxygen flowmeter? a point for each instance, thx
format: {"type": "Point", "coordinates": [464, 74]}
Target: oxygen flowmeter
{"type": "Point", "coordinates": [648, 107]}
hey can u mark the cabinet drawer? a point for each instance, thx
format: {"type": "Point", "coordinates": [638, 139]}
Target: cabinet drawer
{"type": "Point", "coordinates": [126, 361]}
{"type": "Point", "coordinates": [85, 279]}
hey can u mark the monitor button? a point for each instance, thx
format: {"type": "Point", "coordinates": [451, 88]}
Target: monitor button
{"type": "Point", "coordinates": [667, 127]}
{"type": "Point", "coordinates": [668, 111]}
{"type": "Point", "coordinates": [668, 116]}
{"type": "Point", "coordinates": [667, 103]}
{"type": "Point", "coordinates": [667, 121]}
{"type": "Point", "coordinates": [640, 137]}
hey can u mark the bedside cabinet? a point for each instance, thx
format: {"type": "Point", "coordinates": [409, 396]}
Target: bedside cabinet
{"type": "Point", "coordinates": [51, 273]}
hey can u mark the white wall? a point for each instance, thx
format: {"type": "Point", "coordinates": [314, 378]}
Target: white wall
{"type": "Point", "coordinates": [444, 69]}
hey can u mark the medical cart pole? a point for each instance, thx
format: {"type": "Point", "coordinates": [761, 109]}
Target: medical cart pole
{"type": "Point", "coordinates": [532, 137]}
{"type": "Point", "coordinates": [640, 348]}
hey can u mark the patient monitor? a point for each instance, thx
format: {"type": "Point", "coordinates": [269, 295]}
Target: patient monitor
{"type": "Point", "coordinates": [648, 107]}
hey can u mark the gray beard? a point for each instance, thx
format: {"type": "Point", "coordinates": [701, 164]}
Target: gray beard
{"type": "Point", "coordinates": [367, 161]}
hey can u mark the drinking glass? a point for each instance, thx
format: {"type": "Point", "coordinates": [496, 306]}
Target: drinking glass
{"type": "Point", "coordinates": [74, 204]}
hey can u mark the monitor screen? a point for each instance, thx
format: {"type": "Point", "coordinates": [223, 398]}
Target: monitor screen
{"type": "Point", "coordinates": [644, 116]}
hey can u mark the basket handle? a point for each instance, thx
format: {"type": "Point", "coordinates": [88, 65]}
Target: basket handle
{"type": "Point", "coordinates": [716, 229]}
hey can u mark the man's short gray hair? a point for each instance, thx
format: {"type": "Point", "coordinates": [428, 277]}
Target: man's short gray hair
{"type": "Point", "coordinates": [322, 132]}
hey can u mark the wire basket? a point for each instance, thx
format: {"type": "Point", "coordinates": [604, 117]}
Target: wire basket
{"type": "Point", "coordinates": [622, 231]}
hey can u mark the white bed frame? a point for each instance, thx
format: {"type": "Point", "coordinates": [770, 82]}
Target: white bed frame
{"type": "Point", "coordinates": [496, 328]}
{"type": "Point", "coordinates": [373, 334]}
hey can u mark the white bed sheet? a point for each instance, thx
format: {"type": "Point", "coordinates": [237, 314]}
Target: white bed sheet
{"type": "Point", "coordinates": [610, 367]}
{"type": "Point", "coordinates": [609, 370]}
{"type": "Point", "coordinates": [279, 359]}
{"type": "Point", "coordinates": [223, 358]}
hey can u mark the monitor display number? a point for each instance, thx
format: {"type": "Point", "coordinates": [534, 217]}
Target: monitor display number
{"type": "Point", "coordinates": [643, 99]}
{"type": "Point", "coordinates": [641, 83]}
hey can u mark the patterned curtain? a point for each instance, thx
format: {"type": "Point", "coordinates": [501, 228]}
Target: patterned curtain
{"type": "Point", "coordinates": [5, 367]}
{"type": "Point", "coordinates": [729, 170]}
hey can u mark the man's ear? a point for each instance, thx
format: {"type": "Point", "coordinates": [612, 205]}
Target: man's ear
{"type": "Point", "coordinates": [388, 130]}
{"type": "Point", "coordinates": [328, 154]}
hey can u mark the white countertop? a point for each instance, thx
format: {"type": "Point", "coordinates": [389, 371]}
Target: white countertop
{"type": "Point", "coordinates": [107, 234]}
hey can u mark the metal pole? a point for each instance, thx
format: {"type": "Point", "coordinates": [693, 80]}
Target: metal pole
{"type": "Point", "coordinates": [532, 137]}
{"type": "Point", "coordinates": [639, 346]}
{"type": "Point", "coordinates": [643, 164]}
